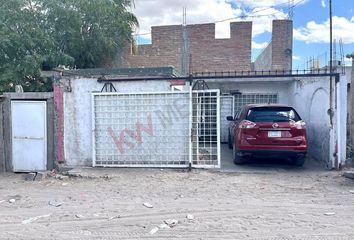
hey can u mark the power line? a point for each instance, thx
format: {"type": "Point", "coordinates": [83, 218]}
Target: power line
{"type": "Point", "coordinates": [264, 9]}
{"type": "Point", "coordinates": [244, 15]}
{"type": "Point", "coordinates": [239, 17]}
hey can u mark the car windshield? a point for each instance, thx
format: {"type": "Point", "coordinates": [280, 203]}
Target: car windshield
{"type": "Point", "coordinates": [272, 114]}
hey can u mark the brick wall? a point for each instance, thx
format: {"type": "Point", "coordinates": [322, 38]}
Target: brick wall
{"type": "Point", "coordinates": [282, 42]}
{"type": "Point", "coordinates": [278, 54]}
{"type": "Point", "coordinates": [204, 52]}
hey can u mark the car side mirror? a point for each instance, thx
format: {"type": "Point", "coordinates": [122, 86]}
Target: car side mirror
{"type": "Point", "coordinates": [229, 118]}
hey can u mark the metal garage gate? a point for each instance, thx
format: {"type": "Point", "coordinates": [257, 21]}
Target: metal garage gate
{"type": "Point", "coordinates": [254, 98]}
{"type": "Point", "coordinates": [155, 129]}
{"type": "Point", "coordinates": [232, 104]}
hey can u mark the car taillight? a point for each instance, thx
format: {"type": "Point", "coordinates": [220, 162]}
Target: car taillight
{"type": "Point", "coordinates": [246, 124]}
{"type": "Point", "coordinates": [299, 124]}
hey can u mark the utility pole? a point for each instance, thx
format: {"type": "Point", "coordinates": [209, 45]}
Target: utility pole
{"type": "Point", "coordinates": [330, 63]}
{"type": "Point", "coordinates": [332, 96]}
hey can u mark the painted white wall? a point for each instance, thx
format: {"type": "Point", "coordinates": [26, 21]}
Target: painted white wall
{"type": "Point", "coordinates": [342, 109]}
{"type": "Point", "coordinates": [78, 114]}
{"type": "Point", "coordinates": [310, 97]}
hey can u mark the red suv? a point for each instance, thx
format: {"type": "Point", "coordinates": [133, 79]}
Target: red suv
{"type": "Point", "coordinates": [268, 130]}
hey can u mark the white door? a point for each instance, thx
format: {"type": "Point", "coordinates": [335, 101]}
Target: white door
{"type": "Point", "coordinates": [29, 131]}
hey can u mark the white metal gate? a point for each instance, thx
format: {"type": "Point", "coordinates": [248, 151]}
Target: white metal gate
{"type": "Point", "coordinates": [141, 129]}
{"type": "Point", "coordinates": [155, 129]}
{"type": "Point", "coordinates": [206, 129]}
{"type": "Point", "coordinates": [29, 135]}
{"type": "Point", "coordinates": [226, 109]}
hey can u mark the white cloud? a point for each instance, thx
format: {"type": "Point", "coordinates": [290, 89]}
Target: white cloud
{"type": "Point", "coordinates": [319, 32]}
{"type": "Point", "coordinates": [296, 58]}
{"type": "Point", "coordinates": [162, 12]}
{"type": "Point", "coordinates": [323, 3]}
{"type": "Point", "coordinates": [259, 45]}
{"type": "Point", "coordinates": [264, 3]}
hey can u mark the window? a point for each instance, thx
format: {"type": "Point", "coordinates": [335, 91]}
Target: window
{"type": "Point", "coordinates": [272, 114]}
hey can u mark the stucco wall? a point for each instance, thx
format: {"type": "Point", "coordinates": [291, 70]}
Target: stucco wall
{"type": "Point", "coordinates": [77, 114]}
{"type": "Point", "coordinates": [342, 119]}
{"type": "Point", "coordinates": [310, 97]}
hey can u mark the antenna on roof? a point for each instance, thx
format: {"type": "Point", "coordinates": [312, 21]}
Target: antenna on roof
{"type": "Point", "coordinates": [291, 6]}
{"type": "Point", "coordinates": [184, 21]}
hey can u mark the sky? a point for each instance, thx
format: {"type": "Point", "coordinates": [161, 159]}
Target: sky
{"type": "Point", "coordinates": [310, 20]}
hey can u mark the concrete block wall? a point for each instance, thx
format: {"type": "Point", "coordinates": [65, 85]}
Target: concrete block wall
{"type": "Point", "coordinates": [205, 53]}
{"type": "Point", "coordinates": [278, 54]}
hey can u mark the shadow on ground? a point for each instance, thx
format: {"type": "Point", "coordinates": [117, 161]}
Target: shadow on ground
{"type": "Point", "coordinates": [264, 165]}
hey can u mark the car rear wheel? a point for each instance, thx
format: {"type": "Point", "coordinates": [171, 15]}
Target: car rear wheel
{"type": "Point", "coordinates": [229, 142]}
{"type": "Point", "coordinates": [298, 161]}
{"type": "Point", "coordinates": [237, 159]}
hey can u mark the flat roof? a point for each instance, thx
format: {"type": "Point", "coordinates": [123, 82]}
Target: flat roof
{"type": "Point", "coordinates": [127, 72]}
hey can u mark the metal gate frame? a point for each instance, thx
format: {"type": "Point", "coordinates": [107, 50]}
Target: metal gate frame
{"type": "Point", "coordinates": [254, 98]}
{"type": "Point", "coordinates": [205, 153]}
{"type": "Point", "coordinates": [135, 99]}
{"type": "Point", "coordinates": [189, 163]}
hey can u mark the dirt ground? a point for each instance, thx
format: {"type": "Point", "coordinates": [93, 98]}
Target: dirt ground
{"type": "Point", "coordinates": [288, 203]}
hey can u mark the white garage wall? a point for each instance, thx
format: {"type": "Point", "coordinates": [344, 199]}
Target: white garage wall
{"type": "Point", "coordinates": [310, 97]}
{"type": "Point", "coordinates": [77, 114]}
{"type": "Point", "coordinates": [342, 113]}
